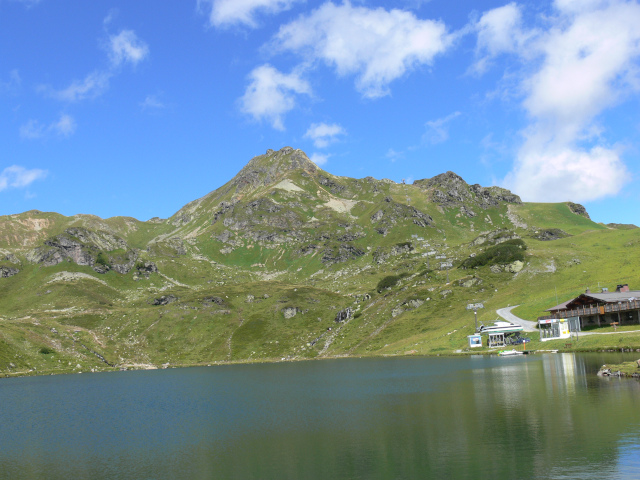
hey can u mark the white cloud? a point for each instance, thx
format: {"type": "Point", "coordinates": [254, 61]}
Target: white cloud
{"type": "Point", "coordinates": [271, 94]}
{"type": "Point", "coordinates": [572, 174]}
{"type": "Point", "coordinates": [320, 158]}
{"type": "Point", "coordinates": [63, 127]}
{"type": "Point", "coordinates": [499, 31]}
{"type": "Point", "coordinates": [585, 62]}
{"type": "Point", "coordinates": [19, 177]}
{"type": "Point", "coordinates": [92, 86]}
{"type": "Point", "coordinates": [376, 45]}
{"type": "Point", "coordinates": [233, 12]}
{"type": "Point", "coordinates": [393, 155]}
{"type": "Point", "coordinates": [438, 130]}
{"type": "Point", "coordinates": [152, 102]}
{"type": "Point", "coordinates": [324, 134]}
{"type": "Point", "coordinates": [127, 47]}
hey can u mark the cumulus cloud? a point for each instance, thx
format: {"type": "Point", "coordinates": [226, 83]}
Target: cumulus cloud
{"type": "Point", "coordinates": [224, 13]}
{"type": "Point", "coordinates": [438, 130]}
{"type": "Point", "coordinates": [319, 158]}
{"type": "Point", "coordinates": [271, 94]}
{"type": "Point", "coordinates": [586, 61]}
{"type": "Point", "coordinates": [378, 46]}
{"type": "Point", "coordinates": [63, 127]}
{"type": "Point", "coordinates": [16, 176]}
{"type": "Point", "coordinates": [127, 47]}
{"type": "Point", "coordinates": [499, 31]}
{"type": "Point", "coordinates": [324, 134]}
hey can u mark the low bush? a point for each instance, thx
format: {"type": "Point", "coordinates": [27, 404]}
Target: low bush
{"type": "Point", "coordinates": [501, 254]}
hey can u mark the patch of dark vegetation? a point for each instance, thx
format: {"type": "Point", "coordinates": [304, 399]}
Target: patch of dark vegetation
{"type": "Point", "coordinates": [390, 281]}
{"type": "Point", "coordinates": [501, 254]}
{"type": "Point", "coordinates": [47, 351]}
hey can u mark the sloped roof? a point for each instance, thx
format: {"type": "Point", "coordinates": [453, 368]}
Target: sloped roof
{"type": "Point", "coordinates": [606, 297]}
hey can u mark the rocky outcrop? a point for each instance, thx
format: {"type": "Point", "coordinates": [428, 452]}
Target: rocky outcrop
{"type": "Point", "coordinates": [344, 315]}
{"type": "Point", "coordinates": [550, 234]}
{"type": "Point", "coordinates": [290, 312]}
{"type": "Point", "coordinates": [495, 237]}
{"type": "Point", "coordinates": [392, 213]}
{"type": "Point", "coordinates": [340, 254]}
{"type": "Point", "coordinates": [6, 272]}
{"type": "Point", "coordinates": [450, 190]}
{"type": "Point", "coordinates": [578, 209]}
{"type": "Point", "coordinates": [100, 250]}
{"type": "Point", "coordinates": [164, 300]}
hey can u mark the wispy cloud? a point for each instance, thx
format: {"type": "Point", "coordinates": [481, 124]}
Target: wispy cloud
{"type": "Point", "coordinates": [225, 13]}
{"type": "Point", "coordinates": [324, 134]}
{"type": "Point", "coordinates": [123, 48]}
{"type": "Point", "coordinates": [126, 47]}
{"type": "Point", "coordinates": [271, 94]}
{"type": "Point", "coordinates": [28, 3]}
{"type": "Point", "coordinates": [12, 84]}
{"type": "Point", "coordinates": [65, 126]}
{"type": "Point", "coordinates": [92, 86]}
{"type": "Point", "coordinates": [152, 102]}
{"type": "Point", "coordinates": [437, 131]}
{"type": "Point", "coordinates": [16, 176]}
{"type": "Point", "coordinates": [376, 45]}
{"type": "Point", "coordinates": [393, 155]}
{"type": "Point", "coordinates": [584, 62]}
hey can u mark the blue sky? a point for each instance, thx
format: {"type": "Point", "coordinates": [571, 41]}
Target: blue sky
{"type": "Point", "coordinates": [138, 107]}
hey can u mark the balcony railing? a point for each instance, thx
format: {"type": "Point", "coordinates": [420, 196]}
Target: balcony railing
{"type": "Point", "coordinates": [595, 310]}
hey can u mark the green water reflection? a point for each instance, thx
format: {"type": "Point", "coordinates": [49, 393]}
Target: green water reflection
{"type": "Point", "coordinates": [539, 416]}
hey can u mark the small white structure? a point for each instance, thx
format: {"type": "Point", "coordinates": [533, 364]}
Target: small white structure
{"type": "Point", "coordinates": [555, 328]}
{"type": "Point", "coordinates": [475, 340]}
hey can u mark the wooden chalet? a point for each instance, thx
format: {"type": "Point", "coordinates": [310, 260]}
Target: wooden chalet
{"type": "Point", "coordinates": [621, 307]}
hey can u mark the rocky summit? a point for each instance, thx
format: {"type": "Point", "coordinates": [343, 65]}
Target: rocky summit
{"type": "Point", "coordinates": [287, 261]}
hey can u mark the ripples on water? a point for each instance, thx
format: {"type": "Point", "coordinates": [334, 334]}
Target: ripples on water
{"type": "Point", "coordinates": [539, 416]}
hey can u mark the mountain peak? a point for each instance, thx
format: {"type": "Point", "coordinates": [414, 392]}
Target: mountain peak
{"type": "Point", "coordinates": [268, 168]}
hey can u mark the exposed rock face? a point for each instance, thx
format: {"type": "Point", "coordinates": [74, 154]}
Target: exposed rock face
{"type": "Point", "coordinates": [514, 267]}
{"type": "Point", "coordinates": [86, 247]}
{"type": "Point", "coordinates": [290, 312]}
{"type": "Point", "coordinates": [164, 300]}
{"type": "Point", "coordinates": [450, 190]}
{"type": "Point", "coordinates": [495, 237]}
{"type": "Point", "coordinates": [381, 255]}
{"type": "Point", "coordinates": [343, 315]}
{"type": "Point", "coordinates": [341, 254]}
{"type": "Point", "coordinates": [550, 234]}
{"type": "Point", "coordinates": [266, 169]}
{"type": "Point", "coordinates": [6, 272]}
{"type": "Point", "coordinates": [392, 213]}
{"type": "Point", "coordinates": [578, 209]}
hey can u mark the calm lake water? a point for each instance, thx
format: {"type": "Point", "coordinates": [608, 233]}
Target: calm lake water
{"type": "Point", "coordinates": [537, 416]}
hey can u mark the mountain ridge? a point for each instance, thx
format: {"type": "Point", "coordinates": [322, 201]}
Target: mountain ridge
{"type": "Point", "coordinates": [286, 260]}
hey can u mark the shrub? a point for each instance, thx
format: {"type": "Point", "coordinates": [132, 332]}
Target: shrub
{"type": "Point", "coordinates": [390, 281]}
{"type": "Point", "coordinates": [501, 254]}
{"type": "Point", "coordinates": [47, 350]}
{"type": "Point", "coordinates": [102, 259]}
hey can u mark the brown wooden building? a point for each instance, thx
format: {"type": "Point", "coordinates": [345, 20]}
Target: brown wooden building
{"type": "Point", "coordinates": [605, 308]}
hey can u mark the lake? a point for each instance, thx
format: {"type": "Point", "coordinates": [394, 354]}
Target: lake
{"type": "Point", "coordinates": [535, 416]}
